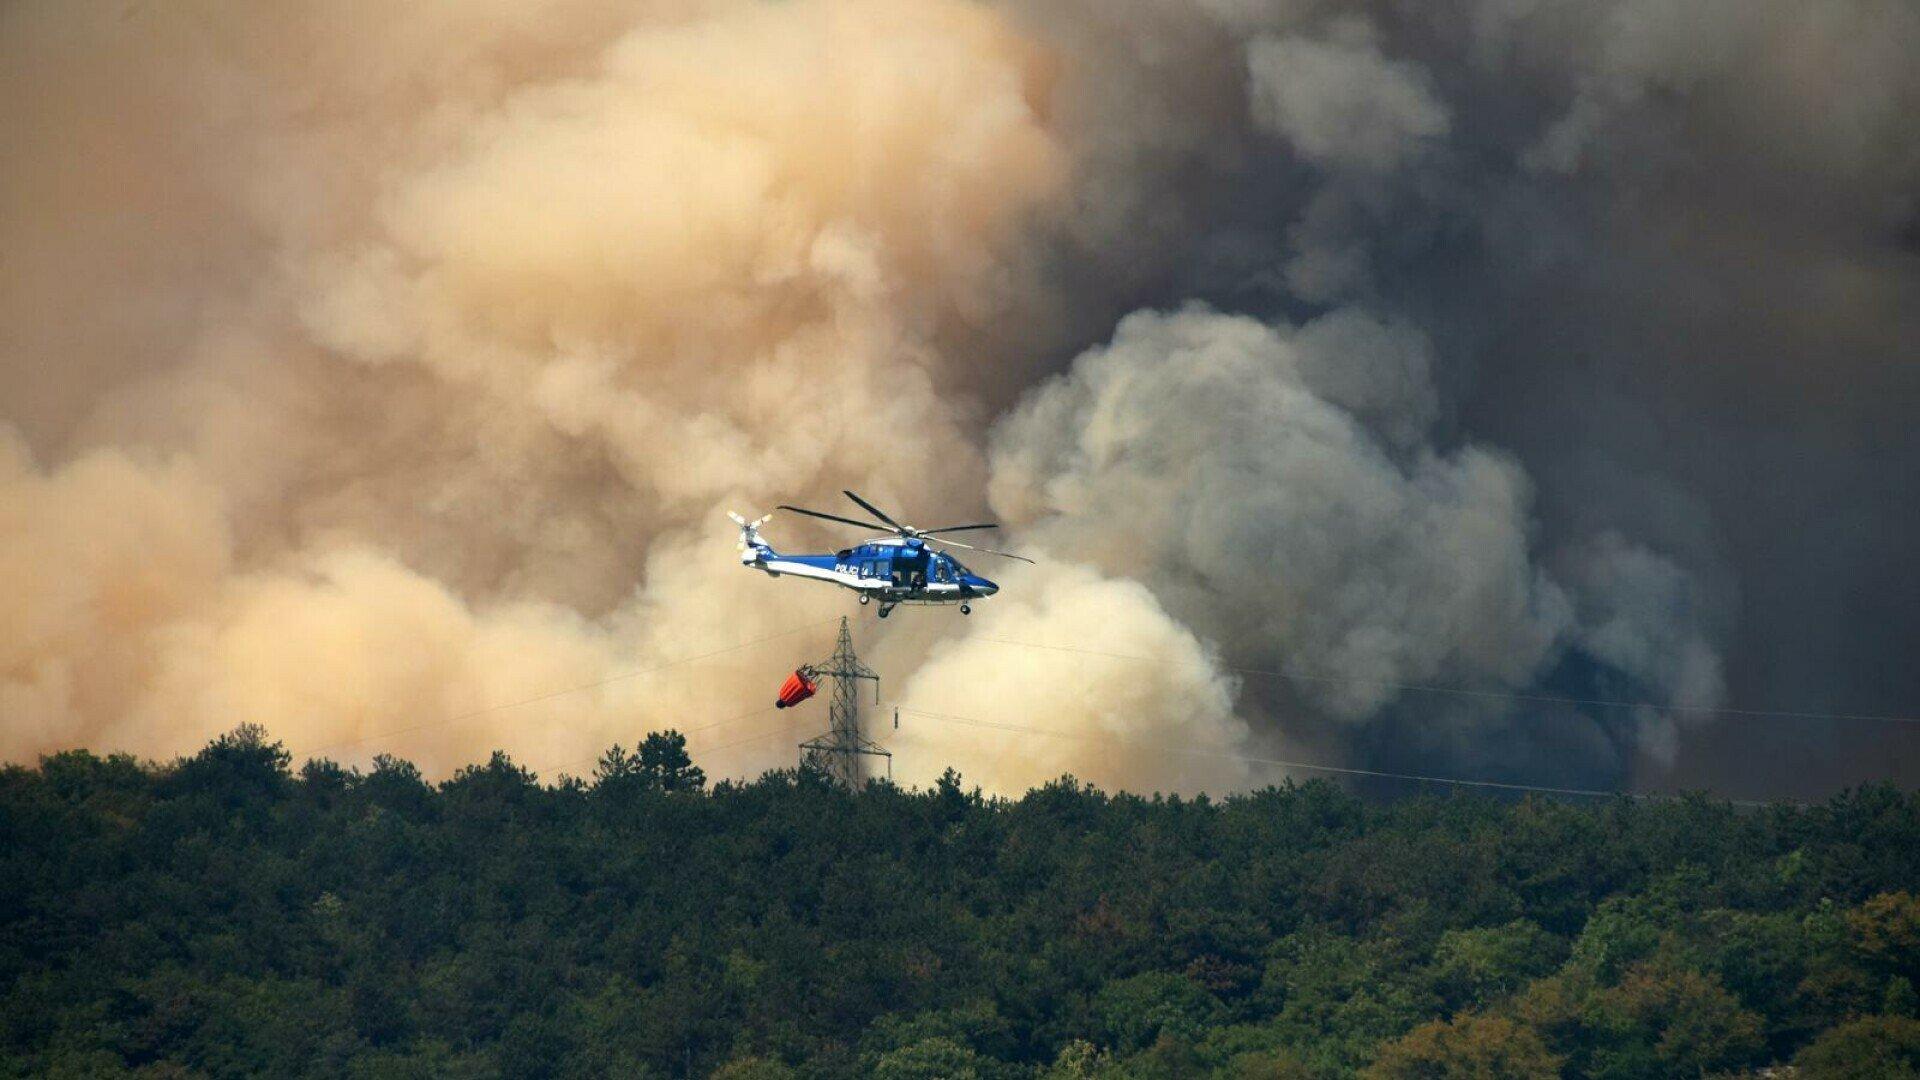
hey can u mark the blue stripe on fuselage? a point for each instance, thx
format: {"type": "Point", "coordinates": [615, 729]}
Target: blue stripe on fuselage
{"type": "Point", "coordinates": [823, 562]}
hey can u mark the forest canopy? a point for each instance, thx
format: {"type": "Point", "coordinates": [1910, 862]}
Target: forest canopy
{"type": "Point", "coordinates": [224, 914]}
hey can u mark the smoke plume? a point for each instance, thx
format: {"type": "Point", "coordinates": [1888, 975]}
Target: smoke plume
{"type": "Point", "coordinates": [383, 376]}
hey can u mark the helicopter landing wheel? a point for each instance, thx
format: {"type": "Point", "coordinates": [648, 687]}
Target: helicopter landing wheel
{"type": "Point", "coordinates": [886, 610]}
{"type": "Point", "coordinates": [966, 609]}
{"type": "Point", "coordinates": [865, 599]}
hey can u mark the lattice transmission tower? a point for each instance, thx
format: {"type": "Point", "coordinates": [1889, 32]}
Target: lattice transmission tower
{"type": "Point", "coordinates": [842, 751]}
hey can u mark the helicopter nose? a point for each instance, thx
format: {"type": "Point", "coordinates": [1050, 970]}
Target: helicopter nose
{"type": "Point", "coordinates": [980, 586]}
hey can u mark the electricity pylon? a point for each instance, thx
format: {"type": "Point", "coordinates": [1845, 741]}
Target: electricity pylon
{"type": "Point", "coordinates": [840, 753]}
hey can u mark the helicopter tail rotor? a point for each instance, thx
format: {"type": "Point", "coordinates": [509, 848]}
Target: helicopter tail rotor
{"type": "Point", "coordinates": [751, 547]}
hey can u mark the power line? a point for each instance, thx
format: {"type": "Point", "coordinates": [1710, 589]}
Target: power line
{"type": "Point", "coordinates": [1270, 672]}
{"type": "Point", "coordinates": [484, 710]}
{"type": "Point", "coordinates": [1593, 793]}
{"type": "Point", "coordinates": [1425, 688]}
{"type": "Point", "coordinates": [783, 729]}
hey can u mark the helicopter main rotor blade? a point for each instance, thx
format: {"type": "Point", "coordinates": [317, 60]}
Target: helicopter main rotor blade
{"type": "Point", "coordinates": [976, 547]}
{"type": "Point", "coordinates": [835, 517]}
{"type": "Point", "coordinates": [956, 528]}
{"type": "Point", "coordinates": [876, 512]}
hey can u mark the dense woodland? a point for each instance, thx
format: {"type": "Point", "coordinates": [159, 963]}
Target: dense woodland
{"type": "Point", "coordinates": [225, 915]}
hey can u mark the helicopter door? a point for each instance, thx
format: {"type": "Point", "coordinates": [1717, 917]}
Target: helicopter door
{"type": "Point", "coordinates": [909, 569]}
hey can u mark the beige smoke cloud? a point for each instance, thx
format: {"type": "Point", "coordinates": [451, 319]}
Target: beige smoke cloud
{"type": "Point", "coordinates": [491, 310]}
{"type": "Point", "coordinates": [130, 626]}
{"type": "Point", "coordinates": [99, 558]}
{"type": "Point", "coordinates": [1023, 714]}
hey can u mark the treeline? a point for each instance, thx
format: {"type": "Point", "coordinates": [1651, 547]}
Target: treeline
{"type": "Point", "coordinates": [224, 915]}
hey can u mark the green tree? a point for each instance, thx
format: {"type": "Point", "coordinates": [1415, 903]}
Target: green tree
{"type": "Point", "coordinates": [1658, 1020]}
{"type": "Point", "coordinates": [664, 760]}
{"type": "Point", "coordinates": [1900, 999]}
{"type": "Point", "coordinates": [1336, 997]}
{"type": "Point", "coordinates": [974, 1024]}
{"type": "Point", "coordinates": [237, 770]}
{"type": "Point", "coordinates": [753, 1068]}
{"type": "Point", "coordinates": [1266, 1065]}
{"type": "Point", "coordinates": [1477, 967]}
{"type": "Point", "coordinates": [1466, 1048]}
{"type": "Point", "coordinates": [397, 785]}
{"type": "Point", "coordinates": [1134, 1012]}
{"type": "Point", "coordinates": [1079, 1060]}
{"type": "Point", "coordinates": [1886, 929]}
{"type": "Point", "coordinates": [938, 1058]}
{"type": "Point", "coordinates": [1873, 1048]}
{"type": "Point", "coordinates": [659, 763]}
{"type": "Point", "coordinates": [217, 915]}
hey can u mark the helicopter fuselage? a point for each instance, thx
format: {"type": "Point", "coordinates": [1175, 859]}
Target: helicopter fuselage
{"type": "Point", "coordinates": [895, 570]}
{"type": "Point", "coordinates": [890, 570]}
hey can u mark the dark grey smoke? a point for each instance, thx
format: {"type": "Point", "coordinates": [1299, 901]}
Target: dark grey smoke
{"type": "Point", "coordinates": [1664, 255]}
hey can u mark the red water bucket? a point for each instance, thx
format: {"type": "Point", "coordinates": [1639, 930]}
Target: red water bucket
{"type": "Point", "coordinates": [795, 690]}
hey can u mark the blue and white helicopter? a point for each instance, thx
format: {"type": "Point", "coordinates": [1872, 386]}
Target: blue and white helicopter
{"type": "Point", "coordinates": [897, 569]}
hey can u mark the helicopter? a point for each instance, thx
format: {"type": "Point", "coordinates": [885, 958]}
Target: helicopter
{"type": "Point", "coordinates": [897, 569]}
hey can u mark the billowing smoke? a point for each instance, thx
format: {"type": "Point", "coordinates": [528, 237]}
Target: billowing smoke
{"type": "Point", "coordinates": [365, 370]}
{"type": "Point", "coordinates": [1024, 715]}
{"type": "Point", "coordinates": [507, 329]}
{"type": "Point", "coordinates": [1278, 488]}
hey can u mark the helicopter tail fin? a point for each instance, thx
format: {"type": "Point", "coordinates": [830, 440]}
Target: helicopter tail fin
{"type": "Point", "coordinates": [752, 548]}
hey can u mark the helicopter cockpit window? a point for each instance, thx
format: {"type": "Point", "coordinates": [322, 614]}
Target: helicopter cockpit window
{"type": "Point", "coordinates": [943, 570]}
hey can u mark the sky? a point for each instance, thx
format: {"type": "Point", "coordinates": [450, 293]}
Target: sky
{"type": "Point", "coordinates": [384, 375]}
